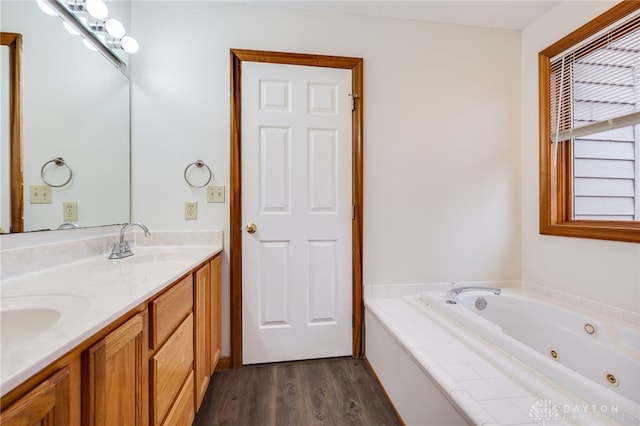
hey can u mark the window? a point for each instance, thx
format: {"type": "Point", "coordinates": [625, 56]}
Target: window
{"type": "Point", "coordinates": [590, 129]}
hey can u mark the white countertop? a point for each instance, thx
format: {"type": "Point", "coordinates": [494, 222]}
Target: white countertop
{"type": "Point", "coordinates": [89, 295]}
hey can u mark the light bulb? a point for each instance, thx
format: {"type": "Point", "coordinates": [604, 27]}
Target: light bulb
{"type": "Point", "coordinates": [129, 44]}
{"type": "Point", "coordinates": [115, 28]}
{"type": "Point", "coordinates": [89, 45]}
{"type": "Point", "coordinates": [97, 9]}
{"type": "Point", "coordinates": [69, 28]}
{"type": "Point", "coordinates": [44, 6]}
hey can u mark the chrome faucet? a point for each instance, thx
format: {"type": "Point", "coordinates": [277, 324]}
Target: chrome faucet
{"type": "Point", "coordinates": [453, 293]}
{"type": "Point", "coordinates": [121, 248]}
{"type": "Point", "coordinates": [68, 225]}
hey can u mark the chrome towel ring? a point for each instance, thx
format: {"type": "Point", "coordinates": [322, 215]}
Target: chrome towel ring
{"type": "Point", "coordinates": [58, 161]}
{"type": "Point", "coordinates": [199, 164]}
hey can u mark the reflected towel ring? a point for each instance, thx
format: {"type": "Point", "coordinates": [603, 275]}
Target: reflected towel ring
{"type": "Point", "coordinates": [199, 164]}
{"type": "Point", "coordinates": [58, 162]}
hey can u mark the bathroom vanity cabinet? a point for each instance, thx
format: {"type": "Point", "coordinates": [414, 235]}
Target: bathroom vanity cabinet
{"type": "Point", "coordinates": [151, 366]}
{"type": "Point", "coordinates": [55, 401]}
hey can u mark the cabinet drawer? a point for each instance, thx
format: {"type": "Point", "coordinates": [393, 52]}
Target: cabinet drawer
{"type": "Point", "coordinates": [169, 309]}
{"type": "Point", "coordinates": [170, 366]}
{"type": "Point", "coordinates": [182, 412]}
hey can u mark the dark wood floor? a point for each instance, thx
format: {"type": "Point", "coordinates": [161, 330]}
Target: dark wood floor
{"type": "Point", "coordinates": [337, 391]}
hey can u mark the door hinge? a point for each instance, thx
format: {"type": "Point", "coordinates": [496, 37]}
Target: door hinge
{"type": "Point", "coordinates": [353, 212]}
{"type": "Point", "coordinates": [353, 100]}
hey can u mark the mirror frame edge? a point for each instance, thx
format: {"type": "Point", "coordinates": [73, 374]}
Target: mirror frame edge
{"type": "Point", "coordinates": [14, 42]}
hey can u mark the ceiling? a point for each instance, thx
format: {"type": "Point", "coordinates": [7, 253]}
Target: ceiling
{"type": "Point", "coordinates": [502, 14]}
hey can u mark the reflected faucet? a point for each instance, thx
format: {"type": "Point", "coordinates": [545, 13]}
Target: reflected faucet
{"type": "Point", "coordinates": [68, 225]}
{"type": "Point", "coordinates": [453, 293]}
{"type": "Point", "coordinates": [121, 248]}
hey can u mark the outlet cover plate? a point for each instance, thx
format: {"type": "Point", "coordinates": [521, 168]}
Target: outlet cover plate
{"type": "Point", "coordinates": [191, 210]}
{"type": "Point", "coordinates": [70, 211]}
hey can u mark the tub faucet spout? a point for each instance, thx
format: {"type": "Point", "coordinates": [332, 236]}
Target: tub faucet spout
{"type": "Point", "coordinates": [453, 293]}
{"type": "Point", "coordinates": [121, 248]}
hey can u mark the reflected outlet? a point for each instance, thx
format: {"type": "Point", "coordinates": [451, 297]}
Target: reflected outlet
{"type": "Point", "coordinates": [70, 211]}
{"type": "Point", "coordinates": [40, 194]}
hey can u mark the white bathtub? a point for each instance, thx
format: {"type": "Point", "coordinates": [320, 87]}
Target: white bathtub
{"type": "Point", "coordinates": [535, 331]}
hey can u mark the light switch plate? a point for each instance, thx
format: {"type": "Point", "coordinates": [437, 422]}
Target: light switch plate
{"type": "Point", "coordinates": [191, 210]}
{"type": "Point", "coordinates": [70, 211]}
{"type": "Point", "coordinates": [40, 194]}
{"type": "Point", "coordinates": [215, 194]}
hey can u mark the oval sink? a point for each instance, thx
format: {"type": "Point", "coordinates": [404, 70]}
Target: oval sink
{"type": "Point", "coordinates": [23, 318]}
{"type": "Point", "coordinates": [19, 325]}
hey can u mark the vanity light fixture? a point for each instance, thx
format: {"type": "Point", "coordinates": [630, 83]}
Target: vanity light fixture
{"type": "Point", "coordinates": [88, 19]}
{"type": "Point", "coordinates": [89, 45]}
{"type": "Point", "coordinates": [70, 29]}
{"type": "Point", "coordinates": [95, 8]}
{"type": "Point", "coordinates": [46, 8]}
{"type": "Point", "coordinates": [128, 44]}
{"type": "Point", "coordinates": [113, 27]}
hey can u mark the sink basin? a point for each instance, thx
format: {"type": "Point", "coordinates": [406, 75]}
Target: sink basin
{"type": "Point", "coordinates": [22, 318]}
{"type": "Point", "coordinates": [18, 326]}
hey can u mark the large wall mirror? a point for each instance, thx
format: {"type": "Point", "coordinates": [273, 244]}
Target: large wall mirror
{"type": "Point", "coordinates": [74, 106]}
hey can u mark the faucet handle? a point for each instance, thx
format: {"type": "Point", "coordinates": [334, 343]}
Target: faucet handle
{"type": "Point", "coordinates": [451, 297]}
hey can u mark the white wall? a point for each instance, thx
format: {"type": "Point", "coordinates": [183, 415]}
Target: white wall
{"type": "Point", "coordinates": [600, 270]}
{"type": "Point", "coordinates": [441, 114]}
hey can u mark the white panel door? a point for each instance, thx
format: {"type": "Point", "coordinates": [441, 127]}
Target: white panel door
{"type": "Point", "coordinates": [296, 189]}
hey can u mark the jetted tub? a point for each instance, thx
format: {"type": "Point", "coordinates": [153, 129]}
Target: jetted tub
{"type": "Point", "coordinates": [593, 356]}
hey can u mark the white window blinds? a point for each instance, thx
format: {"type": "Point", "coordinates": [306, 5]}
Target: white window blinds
{"type": "Point", "coordinates": [595, 87]}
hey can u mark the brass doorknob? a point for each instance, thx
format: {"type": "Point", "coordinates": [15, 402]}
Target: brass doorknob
{"type": "Point", "coordinates": [251, 228]}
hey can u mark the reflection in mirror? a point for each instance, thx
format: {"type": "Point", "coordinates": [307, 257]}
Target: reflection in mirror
{"type": "Point", "coordinates": [11, 179]}
{"type": "Point", "coordinates": [75, 106]}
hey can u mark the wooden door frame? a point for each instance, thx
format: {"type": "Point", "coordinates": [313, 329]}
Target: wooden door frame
{"type": "Point", "coordinates": [235, 186]}
{"type": "Point", "coordinates": [14, 42]}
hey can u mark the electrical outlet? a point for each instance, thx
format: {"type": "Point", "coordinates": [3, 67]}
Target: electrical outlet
{"type": "Point", "coordinates": [70, 211]}
{"type": "Point", "coordinates": [191, 210]}
{"type": "Point", "coordinates": [215, 194]}
{"type": "Point", "coordinates": [40, 194]}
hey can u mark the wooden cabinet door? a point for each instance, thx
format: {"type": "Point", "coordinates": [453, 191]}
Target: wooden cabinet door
{"type": "Point", "coordinates": [52, 402]}
{"type": "Point", "coordinates": [115, 377]}
{"type": "Point", "coordinates": [214, 315]}
{"type": "Point", "coordinates": [202, 335]}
